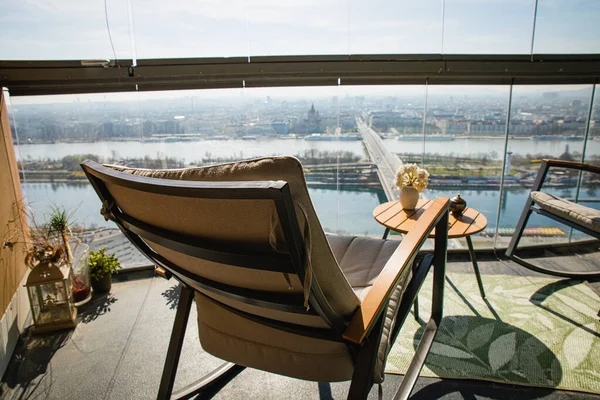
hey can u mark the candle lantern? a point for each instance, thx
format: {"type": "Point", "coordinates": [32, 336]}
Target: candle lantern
{"type": "Point", "coordinates": [50, 297]}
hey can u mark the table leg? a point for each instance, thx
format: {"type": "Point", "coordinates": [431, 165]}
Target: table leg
{"type": "Point", "coordinates": [416, 307]}
{"type": "Point", "coordinates": [475, 267]}
{"type": "Point", "coordinates": [385, 234]}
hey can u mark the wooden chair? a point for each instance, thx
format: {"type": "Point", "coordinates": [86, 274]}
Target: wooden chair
{"type": "Point", "coordinates": [582, 218]}
{"type": "Point", "coordinates": [273, 292]}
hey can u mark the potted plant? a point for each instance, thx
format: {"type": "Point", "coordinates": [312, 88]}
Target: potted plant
{"type": "Point", "coordinates": [411, 180]}
{"type": "Point", "coordinates": [59, 225]}
{"type": "Point", "coordinates": [102, 266]}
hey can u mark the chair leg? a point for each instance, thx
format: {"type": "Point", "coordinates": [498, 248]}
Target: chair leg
{"type": "Point", "coordinates": [439, 275]}
{"type": "Point", "coordinates": [362, 378]}
{"type": "Point", "coordinates": [537, 185]}
{"type": "Point", "coordinates": [177, 335]}
{"type": "Point", "coordinates": [165, 390]}
{"type": "Point", "coordinates": [514, 241]}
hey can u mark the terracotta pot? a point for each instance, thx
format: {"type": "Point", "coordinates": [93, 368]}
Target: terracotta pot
{"type": "Point", "coordinates": [103, 284]}
{"type": "Point", "coordinates": [409, 197]}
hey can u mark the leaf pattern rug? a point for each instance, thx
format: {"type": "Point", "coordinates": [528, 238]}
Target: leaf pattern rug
{"type": "Point", "coordinates": [529, 331]}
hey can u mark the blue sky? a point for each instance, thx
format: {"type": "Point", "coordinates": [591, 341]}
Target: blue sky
{"type": "Point", "coordinates": [76, 29]}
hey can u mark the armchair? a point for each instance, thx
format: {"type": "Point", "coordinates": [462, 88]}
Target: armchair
{"type": "Point", "coordinates": [273, 291]}
{"type": "Point", "coordinates": [582, 218]}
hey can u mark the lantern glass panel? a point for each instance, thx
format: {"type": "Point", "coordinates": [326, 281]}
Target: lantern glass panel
{"type": "Point", "coordinates": [34, 300]}
{"type": "Point", "coordinates": [54, 304]}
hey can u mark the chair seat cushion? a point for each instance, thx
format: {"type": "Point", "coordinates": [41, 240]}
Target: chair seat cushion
{"type": "Point", "coordinates": [580, 215]}
{"type": "Point", "coordinates": [362, 259]}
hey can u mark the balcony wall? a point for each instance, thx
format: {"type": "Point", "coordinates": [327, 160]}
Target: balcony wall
{"type": "Point", "coordinates": [13, 230]}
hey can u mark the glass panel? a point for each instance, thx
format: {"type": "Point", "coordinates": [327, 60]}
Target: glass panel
{"type": "Point", "coordinates": [63, 30]}
{"type": "Point", "coordinates": [384, 112]}
{"type": "Point", "coordinates": [56, 133]}
{"type": "Point", "coordinates": [589, 192]}
{"type": "Point", "coordinates": [488, 27]}
{"type": "Point", "coordinates": [546, 122]}
{"type": "Point", "coordinates": [35, 302]}
{"type": "Point", "coordinates": [464, 147]}
{"type": "Point", "coordinates": [395, 27]}
{"type": "Point", "coordinates": [288, 28]}
{"type": "Point", "coordinates": [564, 26]}
{"type": "Point", "coordinates": [212, 28]}
{"type": "Point", "coordinates": [322, 130]}
{"type": "Point", "coordinates": [180, 28]}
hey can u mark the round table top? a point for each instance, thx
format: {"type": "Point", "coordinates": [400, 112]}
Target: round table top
{"type": "Point", "coordinates": [392, 216]}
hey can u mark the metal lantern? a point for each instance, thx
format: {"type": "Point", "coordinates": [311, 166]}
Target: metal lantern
{"type": "Point", "coordinates": [51, 298]}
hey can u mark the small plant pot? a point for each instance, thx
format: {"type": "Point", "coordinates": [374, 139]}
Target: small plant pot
{"type": "Point", "coordinates": [103, 284]}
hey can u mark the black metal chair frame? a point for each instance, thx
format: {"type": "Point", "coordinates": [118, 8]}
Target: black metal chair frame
{"type": "Point", "coordinates": [364, 353]}
{"type": "Point", "coordinates": [530, 207]}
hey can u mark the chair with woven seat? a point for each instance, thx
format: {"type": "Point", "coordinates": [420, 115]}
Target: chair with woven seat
{"type": "Point", "coordinates": [584, 219]}
{"type": "Point", "coordinates": [272, 290]}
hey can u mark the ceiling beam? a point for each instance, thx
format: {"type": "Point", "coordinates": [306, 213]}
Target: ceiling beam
{"type": "Point", "coordinates": [62, 77]}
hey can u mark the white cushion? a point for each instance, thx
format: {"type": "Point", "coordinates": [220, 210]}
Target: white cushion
{"type": "Point", "coordinates": [581, 215]}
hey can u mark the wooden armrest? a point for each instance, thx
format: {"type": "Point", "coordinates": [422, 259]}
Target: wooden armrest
{"type": "Point", "coordinates": [572, 165]}
{"type": "Point", "coordinates": [162, 272]}
{"type": "Point", "coordinates": [382, 289]}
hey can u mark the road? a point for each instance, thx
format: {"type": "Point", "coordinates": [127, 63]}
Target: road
{"type": "Point", "coordinates": [386, 161]}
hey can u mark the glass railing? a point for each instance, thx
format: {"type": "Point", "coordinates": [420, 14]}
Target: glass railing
{"type": "Point", "coordinates": [458, 133]}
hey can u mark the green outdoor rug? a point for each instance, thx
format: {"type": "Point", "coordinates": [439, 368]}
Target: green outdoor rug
{"type": "Point", "coordinates": [534, 332]}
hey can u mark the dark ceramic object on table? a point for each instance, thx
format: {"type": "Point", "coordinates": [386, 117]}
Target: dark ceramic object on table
{"type": "Point", "coordinates": [457, 205]}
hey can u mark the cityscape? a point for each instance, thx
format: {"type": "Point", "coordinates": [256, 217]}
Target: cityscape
{"type": "Point", "coordinates": [555, 114]}
{"type": "Point", "coordinates": [342, 141]}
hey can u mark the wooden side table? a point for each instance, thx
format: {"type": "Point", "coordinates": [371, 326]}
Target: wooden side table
{"type": "Point", "coordinates": [393, 217]}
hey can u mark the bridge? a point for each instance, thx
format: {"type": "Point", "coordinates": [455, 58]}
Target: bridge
{"type": "Point", "coordinates": [387, 162]}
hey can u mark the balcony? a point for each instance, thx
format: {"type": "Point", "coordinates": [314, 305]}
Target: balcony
{"type": "Point", "coordinates": [353, 91]}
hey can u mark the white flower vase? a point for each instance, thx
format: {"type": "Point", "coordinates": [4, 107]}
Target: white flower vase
{"type": "Point", "coordinates": [409, 197]}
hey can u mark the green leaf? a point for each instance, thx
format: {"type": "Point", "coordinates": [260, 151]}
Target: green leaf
{"type": "Point", "coordinates": [461, 327]}
{"type": "Point", "coordinates": [577, 346]}
{"type": "Point", "coordinates": [449, 351]}
{"type": "Point", "coordinates": [480, 336]}
{"type": "Point", "coordinates": [502, 350]}
{"type": "Point", "coordinates": [577, 305]}
{"type": "Point", "coordinates": [531, 367]}
{"type": "Point", "coordinates": [547, 322]}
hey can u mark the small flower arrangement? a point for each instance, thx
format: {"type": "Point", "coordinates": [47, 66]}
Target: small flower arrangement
{"type": "Point", "coordinates": [412, 175]}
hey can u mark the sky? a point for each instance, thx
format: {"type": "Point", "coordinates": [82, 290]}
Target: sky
{"type": "Point", "coordinates": [77, 29]}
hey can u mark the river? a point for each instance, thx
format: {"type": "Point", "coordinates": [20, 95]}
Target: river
{"type": "Point", "coordinates": [343, 211]}
{"type": "Point", "coordinates": [190, 152]}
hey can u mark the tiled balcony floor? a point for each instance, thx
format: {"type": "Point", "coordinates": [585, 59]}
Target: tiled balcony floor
{"type": "Point", "coordinates": [117, 351]}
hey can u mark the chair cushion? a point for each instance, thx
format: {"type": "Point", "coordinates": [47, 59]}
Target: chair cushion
{"type": "Point", "coordinates": [180, 214]}
{"type": "Point", "coordinates": [234, 338]}
{"type": "Point", "coordinates": [362, 259]}
{"type": "Point", "coordinates": [581, 215]}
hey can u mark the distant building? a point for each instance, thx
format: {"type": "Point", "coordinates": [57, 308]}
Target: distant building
{"type": "Point", "coordinates": [312, 123]}
{"type": "Point", "coordinates": [281, 127]}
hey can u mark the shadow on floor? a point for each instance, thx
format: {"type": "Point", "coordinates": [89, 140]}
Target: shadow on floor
{"type": "Point", "coordinates": [469, 389]}
{"type": "Point", "coordinates": [546, 292]}
{"type": "Point", "coordinates": [100, 305]}
{"type": "Point", "coordinates": [171, 295]}
{"type": "Point", "coordinates": [30, 360]}
{"type": "Point", "coordinates": [490, 349]}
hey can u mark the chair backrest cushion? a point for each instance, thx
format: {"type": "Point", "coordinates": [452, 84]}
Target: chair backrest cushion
{"type": "Point", "coordinates": [247, 224]}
